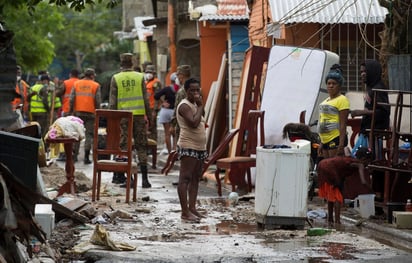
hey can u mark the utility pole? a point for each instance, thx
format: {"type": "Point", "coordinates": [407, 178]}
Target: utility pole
{"type": "Point", "coordinates": [172, 23]}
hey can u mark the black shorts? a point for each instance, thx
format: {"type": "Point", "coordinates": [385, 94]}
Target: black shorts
{"type": "Point", "coordinates": [334, 144]}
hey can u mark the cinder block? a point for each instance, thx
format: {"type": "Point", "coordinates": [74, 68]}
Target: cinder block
{"type": "Point", "coordinates": [402, 219]}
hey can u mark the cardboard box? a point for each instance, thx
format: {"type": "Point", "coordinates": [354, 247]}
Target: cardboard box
{"type": "Point", "coordinates": [44, 215]}
{"type": "Point", "coordinates": [402, 219]}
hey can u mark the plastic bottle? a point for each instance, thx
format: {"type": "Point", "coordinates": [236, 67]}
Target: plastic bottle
{"type": "Point", "coordinates": [318, 231]}
{"type": "Point", "coordinates": [408, 206]}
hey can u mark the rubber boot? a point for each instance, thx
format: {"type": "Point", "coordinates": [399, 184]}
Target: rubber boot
{"type": "Point", "coordinates": [118, 178]}
{"type": "Point", "coordinates": [145, 179]}
{"type": "Point", "coordinates": [86, 157]}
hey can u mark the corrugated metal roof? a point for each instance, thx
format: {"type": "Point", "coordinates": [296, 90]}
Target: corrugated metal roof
{"type": "Point", "coordinates": [223, 18]}
{"type": "Point", "coordinates": [327, 11]}
{"type": "Point", "coordinates": [229, 10]}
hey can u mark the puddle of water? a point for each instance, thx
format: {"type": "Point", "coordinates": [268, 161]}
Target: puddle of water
{"type": "Point", "coordinates": [339, 251]}
{"type": "Point", "coordinates": [229, 227]}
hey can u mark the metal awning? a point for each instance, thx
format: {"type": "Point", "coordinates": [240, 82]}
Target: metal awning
{"type": "Point", "coordinates": [327, 11]}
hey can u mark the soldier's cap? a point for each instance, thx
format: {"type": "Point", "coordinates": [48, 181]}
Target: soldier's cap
{"type": "Point", "coordinates": [184, 69]}
{"type": "Point", "coordinates": [89, 72]}
{"type": "Point", "coordinates": [126, 60]}
{"type": "Point", "coordinates": [150, 69]}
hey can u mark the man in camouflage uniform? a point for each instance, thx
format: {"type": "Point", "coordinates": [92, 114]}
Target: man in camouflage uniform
{"type": "Point", "coordinates": [128, 92]}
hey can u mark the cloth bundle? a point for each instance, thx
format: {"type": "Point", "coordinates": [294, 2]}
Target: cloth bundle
{"type": "Point", "coordinates": [68, 127]}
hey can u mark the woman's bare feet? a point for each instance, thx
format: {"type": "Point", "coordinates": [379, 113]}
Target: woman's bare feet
{"type": "Point", "coordinates": [190, 217]}
{"type": "Point", "coordinates": [196, 213]}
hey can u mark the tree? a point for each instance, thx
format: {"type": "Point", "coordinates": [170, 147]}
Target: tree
{"type": "Point", "coordinates": [32, 34]}
{"type": "Point", "coordinates": [10, 8]}
{"type": "Point", "coordinates": [77, 5]}
{"type": "Point", "coordinates": [85, 35]}
{"type": "Point", "coordinates": [37, 34]}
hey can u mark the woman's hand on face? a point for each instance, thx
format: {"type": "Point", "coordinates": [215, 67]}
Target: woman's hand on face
{"type": "Point", "coordinates": [198, 100]}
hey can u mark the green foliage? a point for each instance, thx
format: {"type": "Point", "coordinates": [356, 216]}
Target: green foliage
{"type": "Point", "coordinates": [32, 34]}
{"type": "Point", "coordinates": [54, 29]}
{"type": "Point", "coordinates": [77, 5]}
{"type": "Point", "coordinates": [86, 35]}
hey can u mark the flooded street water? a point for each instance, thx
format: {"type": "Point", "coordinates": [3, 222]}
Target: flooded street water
{"type": "Point", "coordinates": [229, 233]}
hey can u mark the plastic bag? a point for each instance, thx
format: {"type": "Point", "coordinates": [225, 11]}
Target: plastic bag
{"type": "Point", "coordinates": [362, 141]}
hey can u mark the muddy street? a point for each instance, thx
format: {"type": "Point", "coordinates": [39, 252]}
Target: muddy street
{"type": "Point", "coordinates": [229, 233]}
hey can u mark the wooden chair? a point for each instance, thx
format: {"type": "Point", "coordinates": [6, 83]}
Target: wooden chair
{"type": "Point", "coordinates": [238, 165]}
{"type": "Point", "coordinates": [217, 153]}
{"type": "Point", "coordinates": [113, 134]}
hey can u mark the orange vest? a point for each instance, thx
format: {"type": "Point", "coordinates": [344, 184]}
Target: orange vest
{"type": "Point", "coordinates": [151, 90]}
{"type": "Point", "coordinates": [18, 100]}
{"type": "Point", "coordinates": [68, 85]}
{"type": "Point", "coordinates": [85, 94]}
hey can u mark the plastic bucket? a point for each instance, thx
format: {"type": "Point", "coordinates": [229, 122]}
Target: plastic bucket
{"type": "Point", "coordinates": [365, 205]}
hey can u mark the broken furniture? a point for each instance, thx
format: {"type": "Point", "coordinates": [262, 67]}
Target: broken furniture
{"type": "Point", "coordinates": [70, 185]}
{"type": "Point", "coordinates": [396, 163]}
{"type": "Point", "coordinates": [114, 120]}
{"type": "Point", "coordinates": [239, 164]}
{"type": "Point", "coordinates": [211, 159]}
{"type": "Point", "coordinates": [152, 149]}
{"type": "Point", "coordinates": [221, 148]}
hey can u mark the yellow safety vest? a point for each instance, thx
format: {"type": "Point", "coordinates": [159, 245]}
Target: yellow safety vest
{"type": "Point", "coordinates": [129, 92]}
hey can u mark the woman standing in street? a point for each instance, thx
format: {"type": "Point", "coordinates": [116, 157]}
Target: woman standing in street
{"type": "Point", "coordinates": [191, 148]}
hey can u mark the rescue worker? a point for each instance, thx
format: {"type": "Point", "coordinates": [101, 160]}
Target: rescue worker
{"type": "Point", "coordinates": [40, 103]}
{"type": "Point", "coordinates": [22, 90]}
{"type": "Point", "coordinates": [153, 85]}
{"type": "Point", "coordinates": [85, 98]}
{"type": "Point", "coordinates": [65, 90]}
{"type": "Point", "coordinates": [128, 92]}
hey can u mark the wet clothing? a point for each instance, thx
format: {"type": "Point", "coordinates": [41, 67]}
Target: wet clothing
{"type": "Point", "coordinates": [382, 113]}
{"type": "Point", "coordinates": [331, 176]}
{"type": "Point", "coordinates": [329, 119]}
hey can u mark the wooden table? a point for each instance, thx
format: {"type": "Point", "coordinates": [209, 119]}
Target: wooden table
{"type": "Point", "coordinates": [70, 185]}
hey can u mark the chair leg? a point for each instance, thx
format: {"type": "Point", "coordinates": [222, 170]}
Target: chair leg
{"type": "Point", "coordinates": [232, 180]}
{"type": "Point", "coordinates": [128, 187]}
{"type": "Point", "coordinates": [99, 177]}
{"type": "Point", "coordinates": [218, 182]}
{"type": "Point", "coordinates": [249, 180]}
{"type": "Point", "coordinates": [94, 187]}
{"type": "Point", "coordinates": [154, 157]}
{"type": "Point", "coordinates": [135, 188]}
